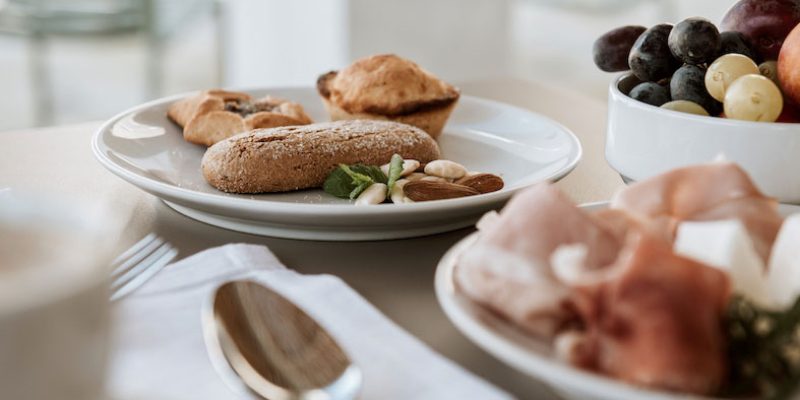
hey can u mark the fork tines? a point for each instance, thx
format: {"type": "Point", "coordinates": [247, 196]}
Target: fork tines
{"type": "Point", "coordinates": [138, 264]}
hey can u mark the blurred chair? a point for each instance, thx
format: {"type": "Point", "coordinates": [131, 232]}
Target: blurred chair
{"type": "Point", "coordinates": [37, 20]}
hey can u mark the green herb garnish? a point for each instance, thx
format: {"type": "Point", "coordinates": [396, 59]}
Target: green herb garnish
{"type": "Point", "coordinates": [348, 182]}
{"type": "Point", "coordinates": [370, 170]}
{"type": "Point", "coordinates": [395, 169]}
{"type": "Point", "coordinates": [763, 350]}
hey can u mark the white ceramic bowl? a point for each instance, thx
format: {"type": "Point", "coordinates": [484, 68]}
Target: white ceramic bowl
{"type": "Point", "coordinates": [643, 140]}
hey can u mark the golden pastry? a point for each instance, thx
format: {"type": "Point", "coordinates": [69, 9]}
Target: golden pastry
{"type": "Point", "coordinates": [388, 87]}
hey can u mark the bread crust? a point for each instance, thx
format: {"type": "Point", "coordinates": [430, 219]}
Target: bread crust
{"type": "Point", "coordinates": [389, 87]}
{"type": "Point", "coordinates": [300, 157]}
{"type": "Point", "coordinates": [207, 118]}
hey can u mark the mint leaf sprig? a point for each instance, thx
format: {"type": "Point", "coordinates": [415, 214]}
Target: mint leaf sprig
{"type": "Point", "coordinates": [349, 181]}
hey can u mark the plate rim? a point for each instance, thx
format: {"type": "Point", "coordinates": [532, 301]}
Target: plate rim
{"type": "Point", "coordinates": [303, 233]}
{"type": "Point", "coordinates": [161, 189]}
{"type": "Point", "coordinates": [556, 374]}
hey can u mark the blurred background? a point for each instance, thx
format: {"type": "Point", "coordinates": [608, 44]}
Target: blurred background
{"type": "Point", "coordinates": [67, 61]}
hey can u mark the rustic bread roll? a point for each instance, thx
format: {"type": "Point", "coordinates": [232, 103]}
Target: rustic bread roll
{"type": "Point", "coordinates": [299, 157]}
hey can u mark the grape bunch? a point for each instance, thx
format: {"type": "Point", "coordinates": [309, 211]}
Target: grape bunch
{"type": "Point", "coordinates": [693, 67]}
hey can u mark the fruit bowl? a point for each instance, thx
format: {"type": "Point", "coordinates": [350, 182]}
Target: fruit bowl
{"type": "Point", "coordinates": [644, 140]}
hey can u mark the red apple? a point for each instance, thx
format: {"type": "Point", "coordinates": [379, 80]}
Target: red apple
{"type": "Point", "coordinates": [789, 67]}
{"type": "Point", "coordinates": [765, 23]}
{"type": "Point", "coordinates": [788, 115]}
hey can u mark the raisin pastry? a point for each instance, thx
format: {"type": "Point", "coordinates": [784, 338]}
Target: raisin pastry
{"type": "Point", "coordinates": [388, 87]}
{"type": "Point", "coordinates": [214, 115]}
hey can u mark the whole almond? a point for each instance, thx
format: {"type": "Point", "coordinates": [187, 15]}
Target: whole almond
{"type": "Point", "coordinates": [435, 190]}
{"type": "Point", "coordinates": [483, 183]}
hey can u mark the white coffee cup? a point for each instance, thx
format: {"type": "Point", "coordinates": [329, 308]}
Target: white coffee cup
{"type": "Point", "coordinates": [54, 308]}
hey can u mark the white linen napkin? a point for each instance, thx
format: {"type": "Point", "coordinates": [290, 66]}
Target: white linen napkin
{"type": "Point", "coordinates": [160, 353]}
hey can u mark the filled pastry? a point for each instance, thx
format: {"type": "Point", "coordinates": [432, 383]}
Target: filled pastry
{"type": "Point", "coordinates": [388, 87]}
{"type": "Point", "coordinates": [214, 115]}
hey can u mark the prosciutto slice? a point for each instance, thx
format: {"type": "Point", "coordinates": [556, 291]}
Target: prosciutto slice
{"type": "Point", "coordinates": [538, 220]}
{"type": "Point", "coordinates": [609, 290]}
{"type": "Point", "coordinates": [508, 270]}
{"type": "Point", "coordinates": [707, 192]}
{"type": "Point", "coordinates": [658, 322]}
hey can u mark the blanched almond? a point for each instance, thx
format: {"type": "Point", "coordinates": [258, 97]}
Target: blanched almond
{"type": "Point", "coordinates": [409, 166]}
{"type": "Point", "coordinates": [446, 169]}
{"type": "Point", "coordinates": [374, 194]}
{"type": "Point", "coordinates": [431, 178]}
{"type": "Point", "coordinates": [397, 195]}
{"type": "Point", "coordinates": [416, 176]}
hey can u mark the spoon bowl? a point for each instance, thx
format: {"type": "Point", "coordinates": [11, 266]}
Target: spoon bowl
{"type": "Point", "coordinates": [258, 337]}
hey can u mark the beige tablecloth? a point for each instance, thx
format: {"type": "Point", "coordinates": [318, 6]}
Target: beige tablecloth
{"type": "Point", "coordinates": [58, 162]}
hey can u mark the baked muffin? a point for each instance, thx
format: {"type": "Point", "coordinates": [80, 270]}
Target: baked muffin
{"type": "Point", "coordinates": [388, 87]}
{"type": "Point", "coordinates": [214, 115]}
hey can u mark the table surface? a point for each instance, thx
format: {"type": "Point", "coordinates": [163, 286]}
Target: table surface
{"type": "Point", "coordinates": [58, 162]}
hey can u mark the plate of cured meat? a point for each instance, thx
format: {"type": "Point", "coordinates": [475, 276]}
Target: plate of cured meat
{"type": "Point", "coordinates": [684, 285]}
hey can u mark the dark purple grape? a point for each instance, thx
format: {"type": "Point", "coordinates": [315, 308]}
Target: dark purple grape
{"type": "Point", "coordinates": [689, 83]}
{"type": "Point", "coordinates": [695, 41]}
{"type": "Point", "coordinates": [735, 42]}
{"type": "Point", "coordinates": [650, 93]}
{"type": "Point", "coordinates": [611, 50]}
{"type": "Point", "coordinates": [650, 58]}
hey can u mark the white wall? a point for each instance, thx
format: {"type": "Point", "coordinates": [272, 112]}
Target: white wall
{"type": "Point", "coordinates": [283, 43]}
{"type": "Point", "coordinates": [459, 39]}
{"type": "Point", "coordinates": [279, 42]}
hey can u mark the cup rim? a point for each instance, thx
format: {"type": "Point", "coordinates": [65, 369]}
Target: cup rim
{"type": "Point", "coordinates": [29, 209]}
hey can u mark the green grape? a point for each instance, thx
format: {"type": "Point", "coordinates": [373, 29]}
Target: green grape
{"type": "Point", "coordinates": [685, 106]}
{"type": "Point", "coordinates": [726, 69]}
{"type": "Point", "coordinates": [770, 70]}
{"type": "Point", "coordinates": [753, 98]}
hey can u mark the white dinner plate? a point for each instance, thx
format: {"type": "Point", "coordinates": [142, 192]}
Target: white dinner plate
{"type": "Point", "coordinates": [145, 148]}
{"type": "Point", "coordinates": [532, 356]}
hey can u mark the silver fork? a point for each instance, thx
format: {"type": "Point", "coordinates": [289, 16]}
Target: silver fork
{"type": "Point", "coordinates": [137, 265]}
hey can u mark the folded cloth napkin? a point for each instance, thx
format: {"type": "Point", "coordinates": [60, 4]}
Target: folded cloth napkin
{"type": "Point", "coordinates": [160, 353]}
